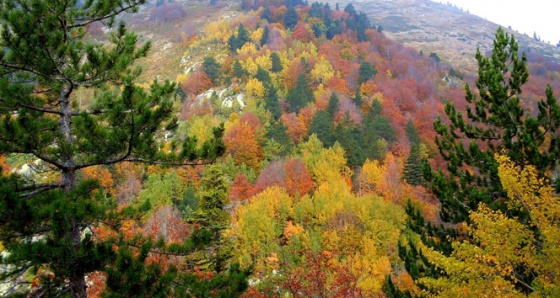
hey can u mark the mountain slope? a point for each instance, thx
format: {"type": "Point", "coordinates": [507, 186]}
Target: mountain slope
{"type": "Point", "coordinates": [448, 31]}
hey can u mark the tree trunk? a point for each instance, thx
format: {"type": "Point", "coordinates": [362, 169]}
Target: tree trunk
{"type": "Point", "coordinates": [77, 281]}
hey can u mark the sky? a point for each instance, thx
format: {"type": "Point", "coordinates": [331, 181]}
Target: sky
{"type": "Point", "coordinates": [524, 16]}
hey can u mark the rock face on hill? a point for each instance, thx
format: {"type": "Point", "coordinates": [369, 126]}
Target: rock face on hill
{"type": "Point", "coordinates": [453, 34]}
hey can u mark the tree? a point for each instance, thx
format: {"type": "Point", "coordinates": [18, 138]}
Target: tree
{"type": "Point", "coordinates": [300, 95]}
{"type": "Point", "coordinates": [211, 68]}
{"type": "Point", "coordinates": [237, 69]}
{"type": "Point", "coordinates": [180, 93]}
{"type": "Point", "coordinates": [264, 38]}
{"type": "Point", "coordinates": [44, 60]}
{"type": "Point", "coordinates": [508, 257]}
{"type": "Point", "coordinates": [366, 72]}
{"type": "Point", "coordinates": [236, 42]}
{"type": "Point", "coordinates": [322, 126]}
{"type": "Point", "coordinates": [276, 63]}
{"type": "Point", "coordinates": [242, 144]}
{"type": "Point", "coordinates": [495, 122]}
{"type": "Point", "coordinates": [291, 18]}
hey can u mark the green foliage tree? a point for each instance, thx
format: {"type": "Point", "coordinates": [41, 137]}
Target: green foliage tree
{"type": "Point", "coordinates": [212, 218]}
{"type": "Point", "coordinates": [44, 60]}
{"type": "Point", "coordinates": [291, 18]}
{"type": "Point", "coordinates": [212, 69]}
{"type": "Point", "coordinates": [264, 38]}
{"type": "Point", "coordinates": [495, 122]}
{"type": "Point", "coordinates": [350, 137]}
{"type": "Point", "coordinates": [236, 42]}
{"type": "Point", "coordinates": [237, 69]}
{"type": "Point", "coordinates": [322, 125]}
{"type": "Point", "coordinates": [180, 93]}
{"type": "Point", "coordinates": [271, 103]}
{"type": "Point", "coordinates": [278, 132]}
{"type": "Point", "coordinates": [276, 63]}
{"type": "Point", "coordinates": [300, 95]}
{"type": "Point", "coordinates": [367, 71]}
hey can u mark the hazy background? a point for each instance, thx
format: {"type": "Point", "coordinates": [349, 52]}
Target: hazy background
{"type": "Point", "coordinates": [540, 16]}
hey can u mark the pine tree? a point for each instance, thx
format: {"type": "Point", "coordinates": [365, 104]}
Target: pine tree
{"type": "Point", "coordinates": [236, 42]}
{"type": "Point", "coordinates": [495, 122]}
{"type": "Point", "coordinates": [179, 93]}
{"type": "Point", "coordinates": [264, 38]}
{"type": "Point", "coordinates": [212, 69]}
{"type": "Point", "coordinates": [300, 95]}
{"type": "Point", "coordinates": [276, 63]}
{"type": "Point", "coordinates": [291, 18]}
{"type": "Point", "coordinates": [322, 125]}
{"type": "Point", "coordinates": [412, 171]}
{"type": "Point", "coordinates": [271, 103]}
{"type": "Point", "coordinates": [366, 72]}
{"type": "Point", "coordinates": [212, 217]}
{"type": "Point", "coordinates": [44, 60]}
{"type": "Point", "coordinates": [237, 69]}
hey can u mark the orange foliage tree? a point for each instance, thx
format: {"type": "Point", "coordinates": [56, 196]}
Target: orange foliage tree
{"type": "Point", "coordinates": [241, 143]}
{"type": "Point", "coordinates": [197, 82]}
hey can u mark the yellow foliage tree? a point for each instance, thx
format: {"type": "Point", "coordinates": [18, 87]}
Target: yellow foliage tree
{"type": "Point", "coordinates": [323, 71]}
{"type": "Point", "coordinates": [506, 251]}
{"type": "Point", "coordinates": [324, 164]}
{"type": "Point", "coordinates": [264, 62]}
{"type": "Point", "coordinates": [250, 66]}
{"type": "Point", "coordinates": [247, 49]}
{"type": "Point", "coordinates": [254, 88]}
{"type": "Point", "coordinates": [257, 35]}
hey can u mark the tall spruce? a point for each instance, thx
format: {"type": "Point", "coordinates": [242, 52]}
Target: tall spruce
{"type": "Point", "coordinates": [44, 60]}
{"type": "Point", "coordinates": [495, 122]}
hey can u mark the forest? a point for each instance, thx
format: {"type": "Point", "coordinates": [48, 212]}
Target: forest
{"type": "Point", "coordinates": [300, 153]}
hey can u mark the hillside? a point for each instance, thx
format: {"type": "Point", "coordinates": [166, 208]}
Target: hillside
{"type": "Point", "coordinates": [448, 31]}
{"type": "Point", "coordinates": [274, 148]}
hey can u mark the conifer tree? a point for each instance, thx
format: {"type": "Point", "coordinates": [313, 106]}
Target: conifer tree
{"type": "Point", "coordinates": [44, 59]}
{"type": "Point", "coordinates": [300, 95]}
{"type": "Point", "coordinates": [495, 122]}
{"type": "Point", "coordinates": [264, 38]}
{"type": "Point", "coordinates": [276, 63]}
{"type": "Point", "coordinates": [291, 18]}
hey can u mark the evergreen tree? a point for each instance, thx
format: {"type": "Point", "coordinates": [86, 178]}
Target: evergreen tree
{"type": "Point", "coordinates": [300, 95]}
{"type": "Point", "coordinates": [358, 97]}
{"type": "Point", "coordinates": [44, 60]}
{"type": "Point", "coordinates": [212, 69]}
{"type": "Point", "coordinates": [412, 171]}
{"type": "Point", "coordinates": [276, 63]}
{"type": "Point", "coordinates": [212, 217]}
{"type": "Point", "coordinates": [272, 104]}
{"type": "Point", "coordinates": [291, 18]}
{"type": "Point", "coordinates": [367, 71]}
{"type": "Point", "coordinates": [238, 71]}
{"type": "Point", "coordinates": [267, 14]}
{"type": "Point", "coordinates": [412, 133]}
{"type": "Point", "coordinates": [322, 125]}
{"type": "Point", "coordinates": [236, 42]}
{"type": "Point", "coordinates": [264, 77]}
{"type": "Point", "coordinates": [349, 9]}
{"type": "Point", "coordinates": [317, 31]}
{"type": "Point", "coordinates": [264, 38]}
{"type": "Point", "coordinates": [333, 106]}
{"type": "Point", "coordinates": [180, 93]}
{"type": "Point", "coordinates": [278, 132]}
{"type": "Point", "coordinates": [495, 123]}
{"type": "Point", "coordinates": [349, 135]}
{"type": "Point", "coordinates": [376, 128]}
